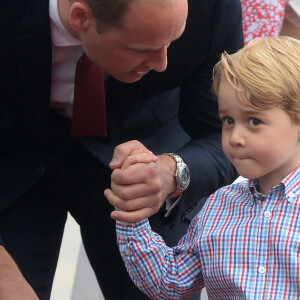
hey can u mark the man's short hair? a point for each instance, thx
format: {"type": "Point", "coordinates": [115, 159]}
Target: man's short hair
{"type": "Point", "coordinates": [108, 13]}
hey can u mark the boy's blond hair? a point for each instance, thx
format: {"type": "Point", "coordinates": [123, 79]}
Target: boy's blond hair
{"type": "Point", "coordinates": [266, 72]}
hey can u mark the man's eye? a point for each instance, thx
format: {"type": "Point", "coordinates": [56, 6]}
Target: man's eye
{"type": "Point", "coordinates": [254, 122]}
{"type": "Point", "coordinates": [228, 121]}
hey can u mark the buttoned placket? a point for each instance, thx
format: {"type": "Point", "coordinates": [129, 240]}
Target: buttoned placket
{"type": "Point", "coordinates": [267, 209]}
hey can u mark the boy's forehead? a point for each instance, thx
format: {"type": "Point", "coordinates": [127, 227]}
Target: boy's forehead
{"type": "Point", "coordinates": [233, 88]}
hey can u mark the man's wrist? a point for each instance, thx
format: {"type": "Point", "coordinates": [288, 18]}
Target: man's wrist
{"type": "Point", "coordinates": [181, 175]}
{"type": "Point", "coordinates": [167, 171]}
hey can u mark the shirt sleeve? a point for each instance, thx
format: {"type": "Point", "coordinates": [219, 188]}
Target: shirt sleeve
{"type": "Point", "coordinates": [159, 271]}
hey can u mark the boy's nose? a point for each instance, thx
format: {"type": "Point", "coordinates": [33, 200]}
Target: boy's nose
{"type": "Point", "coordinates": [237, 137]}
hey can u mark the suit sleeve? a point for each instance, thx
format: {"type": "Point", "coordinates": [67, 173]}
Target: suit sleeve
{"type": "Point", "coordinates": [198, 112]}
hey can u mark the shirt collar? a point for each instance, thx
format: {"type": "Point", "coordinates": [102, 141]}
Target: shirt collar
{"type": "Point", "coordinates": [290, 184]}
{"type": "Point", "coordinates": [60, 36]}
{"type": "Point", "coordinates": [254, 193]}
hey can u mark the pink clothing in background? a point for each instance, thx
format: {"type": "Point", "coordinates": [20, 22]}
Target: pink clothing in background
{"type": "Point", "coordinates": [262, 18]}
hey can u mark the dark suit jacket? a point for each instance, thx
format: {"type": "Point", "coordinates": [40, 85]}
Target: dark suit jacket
{"type": "Point", "coordinates": [172, 111]}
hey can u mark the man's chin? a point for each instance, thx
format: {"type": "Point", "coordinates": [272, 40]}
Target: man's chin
{"type": "Point", "coordinates": [130, 77]}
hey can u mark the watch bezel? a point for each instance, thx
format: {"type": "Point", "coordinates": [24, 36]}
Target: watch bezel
{"type": "Point", "coordinates": [183, 182]}
{"type": "Point", "coordinates": [181, 168]}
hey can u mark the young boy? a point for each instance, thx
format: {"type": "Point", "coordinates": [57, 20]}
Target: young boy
{"type": "Point", "coordinates": [245, 242]}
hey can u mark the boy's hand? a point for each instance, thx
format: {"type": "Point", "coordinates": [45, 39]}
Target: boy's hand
{"type": "Point", "coordinates": [140, 182]}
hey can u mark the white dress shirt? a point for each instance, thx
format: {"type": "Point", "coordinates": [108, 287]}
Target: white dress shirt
{"type": "Point", "coordinates": [66, 49]}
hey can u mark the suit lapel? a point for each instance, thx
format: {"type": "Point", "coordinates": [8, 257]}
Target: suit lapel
{"type": "Point", "coordinates": [33, 54]}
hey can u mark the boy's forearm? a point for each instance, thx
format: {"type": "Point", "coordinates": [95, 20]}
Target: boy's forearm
{"type": "Point", "coordinates": [159, 271]}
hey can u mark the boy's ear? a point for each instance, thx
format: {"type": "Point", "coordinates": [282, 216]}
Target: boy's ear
{"type": "Point", "coordinates": [80, 16]}
{"type": "Point", "coordinates": [298, 123]}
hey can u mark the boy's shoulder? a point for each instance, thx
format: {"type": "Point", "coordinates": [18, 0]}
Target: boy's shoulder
{"type": "Point", "coordinates": [237, 190]}
{"type": "Point", "coordinates": [240, 185]}
{"type": "Point", "coordinates": [225, 199]}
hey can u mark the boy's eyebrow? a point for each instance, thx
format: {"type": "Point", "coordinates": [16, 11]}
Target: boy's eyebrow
{"type": "Point", "coordinates": [249, 111]}
{"type": "Point", "coordinates": [222, 111]}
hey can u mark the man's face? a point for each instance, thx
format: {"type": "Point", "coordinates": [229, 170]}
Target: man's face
{"type": "Point", "coordinates": [140, 44]}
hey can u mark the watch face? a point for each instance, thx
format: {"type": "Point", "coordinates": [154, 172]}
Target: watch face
{"type": "Point", "coordinates": [184, 176]}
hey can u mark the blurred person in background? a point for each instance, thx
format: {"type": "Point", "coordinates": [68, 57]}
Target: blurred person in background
{"type": "Point", "coordinates": [262, 18]}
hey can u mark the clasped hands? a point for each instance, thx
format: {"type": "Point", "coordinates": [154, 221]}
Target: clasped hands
{"type": "Point", "coordinates": [140, 182]}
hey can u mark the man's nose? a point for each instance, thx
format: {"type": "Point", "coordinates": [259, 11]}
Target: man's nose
{"type": "Point", "coordinates": [158, 59]}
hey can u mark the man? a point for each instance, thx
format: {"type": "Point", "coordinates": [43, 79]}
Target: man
{"type": "Point", "coordinates": [46, 173]}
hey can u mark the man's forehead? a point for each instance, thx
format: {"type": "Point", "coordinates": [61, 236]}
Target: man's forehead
{"type": "Point", "coordinates": [155, 7]}
{"type": "Point", "coordinates": [145, 45]}
{"type": "Point", "coordinates": [153, 21]}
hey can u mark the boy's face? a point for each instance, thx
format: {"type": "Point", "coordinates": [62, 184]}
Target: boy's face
{"type": "Point", "coordinates": [262, 144]}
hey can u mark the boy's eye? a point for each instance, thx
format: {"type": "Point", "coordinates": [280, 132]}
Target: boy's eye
{"type": "Point", "coordinates": [228, 121]}
{"type": "Point", "coordinates": [254, 122]}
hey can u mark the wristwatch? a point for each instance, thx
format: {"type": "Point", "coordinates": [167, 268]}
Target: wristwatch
{"type": "Point", "coordinates": [182, 176]}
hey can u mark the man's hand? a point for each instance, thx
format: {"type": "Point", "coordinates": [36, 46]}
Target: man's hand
{"type": "Point", "coordinates": [140, 182]}
{"type": "Point", "coordinates": [13, 286]}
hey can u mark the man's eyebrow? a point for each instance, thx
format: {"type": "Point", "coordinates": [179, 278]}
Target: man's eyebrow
{"type": "Point", "coordinates": [145, 48]}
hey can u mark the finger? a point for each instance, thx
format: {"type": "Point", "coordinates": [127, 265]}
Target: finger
{"type": "Point", "coordinates": [132, 216]}
{"type": "Point", "coordinates": [151, 201]}
{"type": "Point", "coordinates": [110, 196]}
{"type": "Point", "coordinates": [134, 174]}
{"type": "Point", "coordinates": [137, 190]}
{"type": "Point", "coordinates": [139, 158]}
{"type": "Point", "coordinates": [123, 150]}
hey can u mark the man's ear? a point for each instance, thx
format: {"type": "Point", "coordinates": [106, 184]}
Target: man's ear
{"type": "Point", "coordinates": [80, 16]}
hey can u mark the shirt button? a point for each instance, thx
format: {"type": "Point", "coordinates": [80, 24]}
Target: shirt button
{"type": "Point", "coordinates": [291, 195]}
{"type": "Point", "coordinates": [127, 252]}
{"type": "Point", "coordinates": [267, 214]}
{"type": "Point", "coordinates": [262, 270]}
